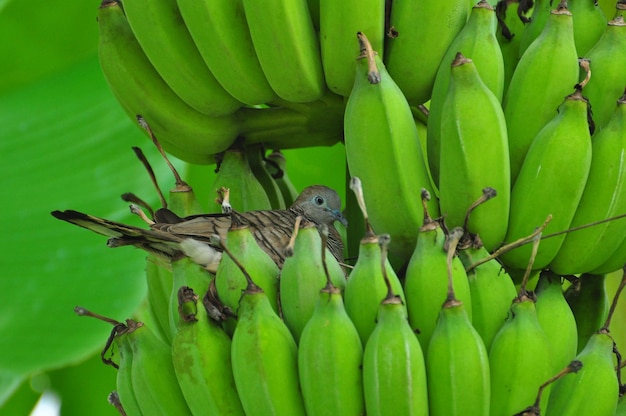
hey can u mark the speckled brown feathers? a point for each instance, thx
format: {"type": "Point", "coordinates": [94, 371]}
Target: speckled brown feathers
{"type": "Point", "coordinates": [272, 229]}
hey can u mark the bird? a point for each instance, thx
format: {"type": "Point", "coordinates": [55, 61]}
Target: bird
{"type": "Point", "coordinates": [171, 236]}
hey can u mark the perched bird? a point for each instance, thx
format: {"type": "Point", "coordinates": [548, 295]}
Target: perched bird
{"type": "Point", "coordinates": [172, 236]}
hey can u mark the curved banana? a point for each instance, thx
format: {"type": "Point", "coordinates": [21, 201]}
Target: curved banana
{"type": "Point", "coordinates": [365, 286]}
{"type": "Point", "coordinates": [330, 355]}
{"type": "Point", "coordinates": [519, 360]}
{"type": "Point", "coordinates": [556, 319]}
{"type": "Point", "coordinates": [159, 282]}
{"type": "Point", "coordinates": [491, 290]}
{"type": "Point", "coordinates": [302, 277]}
{"type": "Point", "coordinates": [594, 389]}
{"type": "Point", "coordinates": [123, 378]}
{"type": "Point", "coordinates": [420, 41]}
{"type": "Point", "coordinates": [153, 376]}
{"type": "Point", "coordinates": [287, 46]}
{"type": "Point", "coordinates": [457, 363]}
{"type": "Point", "coordinates": [473, 155]}
{"type": "Point", "coordinates": [201, 358]}
{"type": "Point", "coordinates": [220, 32]}
{"type": "Point", "coordinates": [478, 42]}
{"type": "Point", "coordinates": [339, 21]}
{"type": "Point", "coordinates": [183, 131]}
{"type": "Point", "coordinates": [589, 301]}
{"type": "Point", "coordinates": [607, 82]}
{"type": "Point", "coordinates": [425, 281]}
{"type": "Point", "coordinates": [382, 148]}
{"type": "Point", "coordinates": [164, 38]}
{"type": "Point", "coordinates": [551, 181]}
{"type": "Point", "coordinates": [235, 173]}
{"type": "Point", "coordinates": [187, 273]}
{"type": "Point", "coordinates": [545, 73]}
{"type": "Point", "coordinates": [604, 196]}
{"type": "Point", "coordinates": [264, 359]}
{"type": "Point", "coordinates": [616, 261]}
{"type": "Point", "coordinates": [230, 281]}
{"type": "Point", "coordinates": [589, 24]}
{"type": "Point", "coordinates": [394, 371]}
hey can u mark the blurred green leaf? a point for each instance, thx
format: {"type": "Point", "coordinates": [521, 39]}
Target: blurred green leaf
{"type": "Point", "coordinates": [64, 144]}
{"type": "Point", "coordinates": [40, 37]}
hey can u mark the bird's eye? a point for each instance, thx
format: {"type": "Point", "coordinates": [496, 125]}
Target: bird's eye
{"type": "Point", "coordinates": [319, 200]}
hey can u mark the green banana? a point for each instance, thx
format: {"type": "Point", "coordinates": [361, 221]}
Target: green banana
{"type": "Point", "coordinates": [276, 164]}
{"type": "Point", "coordinates": [330, 355]}
{"type": "Point", "coordinates": [201, 355]}
{"type": "Point", "coordinates": [256, 157]}
{"type": "Point", "coordinates": [478, 42]}
{"type": "Point", "coordinates": [264, 356]}
{"type": "Point", "coordinates": [287, 46]}
{"type": "Point", "coordinates": [551, 181]}
{"type": "Point", "coordinates": [589, 301]}
{"type": "Point", "coordinates": [473, 155]}
{"type": "Point", "coordinates": [545, 73]}
{"type": "Point", "coordinates": [596, 388]}
{"type": "Point", "coordinates": [616, 261]}
{"type": "Point", "coordinates": [379, 131]}
{"type": "Point", "coordinates": [339, 21]}
{"type": "Point", "coordinates": [457, 362]}
{"type": "Point", "coordinates": [230, 281]}
{"type": "Point", "coordinates": [302, 277]}
{"type": "Point", "coordinates": [153, 376]}
{"type": "Point", "coordinates": [520, 356]}
{"type": "Point", "coordinates": [365, 286]}
{"type": "Point", "coordinates": [220, 32]}
{"type": "Point", "coordinates": [589, 24]}
{"type": "Point", "coordinates": [420, 41]}
{"type": "Point", "coordinates": [604, 197]}
{"type": "Point", "coordinates": [425, 283]}
{"type": "Point", "coordinates": [183, 131]}
{"type": "Point", "coordinates": [159, 281]}
{"type": "Point", "coordinates": [234, 172]}
{"type": "Point", "coordinates": [491, 291]}
{"type": "Point", "coordinates": [608, 58]}
{"type": "Point", "coordinates": [123, 380]}
{"type": "Point", "coordinates": [394, 371]}
{"type": "Point", "coordinates": [519, 360]}
{"type": "Point", "coordinates": [164, 38]}
{"type": "Point", "coordinates": [556, 319]}
{"type": "Point", "coordinates": [185, 272]}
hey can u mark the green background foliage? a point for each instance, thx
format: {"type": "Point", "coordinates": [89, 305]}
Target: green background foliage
{"type": "Point", "coordinates": [65, 144]}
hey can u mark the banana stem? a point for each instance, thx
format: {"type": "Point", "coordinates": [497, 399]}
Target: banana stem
{"type": "Point", "coordinates": [452, 240]}
{"type": "Point", "coordinates": [618, 292]}
{"type": "Point", "coordinates": [383, 242]}
{"type": "Point", "coordinates": [329, 288]}
{"type": "Point", "coordinates": [181, 185]}
{"type": "Point", "coordinates": [508, 247]}
{"type": "Point", "coordinates": [357, 188]}
{"type": "Point", "coordinates": [144, 161]}
{"type": "Point", "coordinates": [529, 267]}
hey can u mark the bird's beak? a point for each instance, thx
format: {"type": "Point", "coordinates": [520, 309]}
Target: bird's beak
{"type": "Point", "coordinates": [339, 217]}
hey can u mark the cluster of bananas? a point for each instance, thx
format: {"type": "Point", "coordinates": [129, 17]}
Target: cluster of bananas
{"type": "Point", "coordinates": [311, 338]}
{"type": "Point", "coordinates": [455, 106]}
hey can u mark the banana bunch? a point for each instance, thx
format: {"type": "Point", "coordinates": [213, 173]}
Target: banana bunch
{"type": "Point", "coordinates": [488, 139]}
{"type": "Point", "coordinates": [237, 344]}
